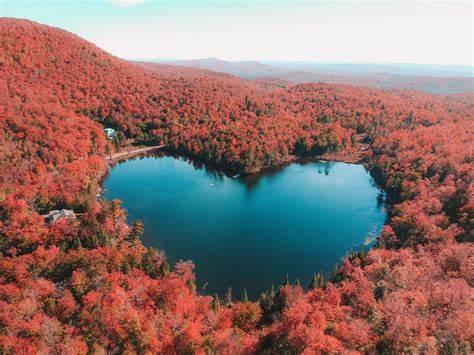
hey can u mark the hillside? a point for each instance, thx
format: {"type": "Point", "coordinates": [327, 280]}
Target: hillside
{"type": "Point", "coordinates": [89, 284]}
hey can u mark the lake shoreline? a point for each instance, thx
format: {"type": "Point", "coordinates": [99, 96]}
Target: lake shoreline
{"type": "Point", "coordinates": [348, 157]}
{"type": "Point", "coordinates": [196, 206]}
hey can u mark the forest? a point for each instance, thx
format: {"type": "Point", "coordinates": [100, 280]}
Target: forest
{"type": "Point", "coordinates": [90, 285]}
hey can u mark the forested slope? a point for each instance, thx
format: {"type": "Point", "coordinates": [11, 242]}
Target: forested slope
{"type": "Point", "coordinates": [90, 284]}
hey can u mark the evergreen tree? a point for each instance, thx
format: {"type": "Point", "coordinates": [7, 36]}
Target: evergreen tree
{"type": "Point", "coordinates": [280, 301]}
{"type": "Point", "coordinates": [320, 280]}
{"type": "Point", "coordinates": [362, 253]}
{"type": "Point", "coordinates": [335, 272]}
{"type": "Point", "coordinates": [272, 291]}
{"type": "Point", "coordinates": [165, 268]}
{"type": "Point", "coordinates": [228, 297]}
{"type": "Point", "coordinates": [245, 298]}
{"type": "Point", "coordinates": [247, 103]}
{"type": "Point", "coordinates": [314, 282]}
{"type": "Point", "coordinates": [287, 280]}
{"type": "Point", "coordinates": [125, 267]}
{"type": "Point", "coordinates": [267, 304]}
{"type": "Point", "coordinates": [192, 285]}
{"type": "Point", "coordinates": [137, 230]}
{"type": "Point", "coordinates": [216, 303]}
{"type": "Point", "coordinates": [154, 264]}
{"type": "Point", "coordinates": [317, 281]}
{"type": "Point", "coordinates": [94, 240]}
{"type": "Point", "coordinates": [297, 282]}
{"type": "Point", "coordinates": [77, 243]}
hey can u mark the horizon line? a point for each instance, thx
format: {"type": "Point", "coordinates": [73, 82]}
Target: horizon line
{"type": "Point", "coordinates": [298, 61]}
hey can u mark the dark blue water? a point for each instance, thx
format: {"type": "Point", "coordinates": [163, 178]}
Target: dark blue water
{"type": "Point", "coordinates": [251, 232]}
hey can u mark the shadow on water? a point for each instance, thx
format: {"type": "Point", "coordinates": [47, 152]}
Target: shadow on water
{"type": "Point", "coordinates": [250, 181]}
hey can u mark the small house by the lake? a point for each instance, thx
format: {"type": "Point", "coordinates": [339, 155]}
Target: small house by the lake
{"type": "Point", "coordinates": [110, 133]}
{"type": "Point", "coordinates": [57, 215]}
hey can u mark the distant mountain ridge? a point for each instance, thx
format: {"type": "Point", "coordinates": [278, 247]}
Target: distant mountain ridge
{"type": "Point", "coordinates": [245, 69]}
{"type": "Point", "coordinates": [404, 69]}
{"type": "Point", "coordinates": [439, 79]}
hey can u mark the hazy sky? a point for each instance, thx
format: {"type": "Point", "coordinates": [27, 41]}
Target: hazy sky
{"type": "Point", "coordinates": [325, 31]}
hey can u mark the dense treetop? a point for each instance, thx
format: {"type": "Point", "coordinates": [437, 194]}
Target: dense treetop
{"type": "Point", "coordinates": [90, 284]}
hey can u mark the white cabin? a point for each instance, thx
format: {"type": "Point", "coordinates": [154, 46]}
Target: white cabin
{"type": "Point", "coordinates": [110, 133]}
{"type": "Point", "coordinates": [57, 215]}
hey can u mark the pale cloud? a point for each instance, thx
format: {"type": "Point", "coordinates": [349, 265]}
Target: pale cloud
{"type": "Point", "coordinates": [125, 3]}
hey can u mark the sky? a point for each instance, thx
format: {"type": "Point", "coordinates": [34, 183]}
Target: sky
{"type": "Point", "coordinates": [434, 32]}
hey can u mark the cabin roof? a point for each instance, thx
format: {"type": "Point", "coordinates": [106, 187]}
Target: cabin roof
{"type": "Point", "coordinates": [56, 215]}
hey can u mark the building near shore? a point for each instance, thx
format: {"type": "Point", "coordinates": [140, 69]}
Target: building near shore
{"type": "Point", "coordinates": [110, 133]}
{"type": "Point", "coordinates": [58, 215]}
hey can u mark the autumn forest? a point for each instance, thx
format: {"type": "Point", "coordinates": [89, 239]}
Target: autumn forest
{"type": "Point", "coordinates": [88, 284]}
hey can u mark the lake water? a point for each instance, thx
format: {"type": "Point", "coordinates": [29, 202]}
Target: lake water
{"type": "Point", "coordinates": [249, 232]}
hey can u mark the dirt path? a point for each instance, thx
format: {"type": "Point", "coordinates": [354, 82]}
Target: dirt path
{"type": "Point", "coordinates": [128, 153]}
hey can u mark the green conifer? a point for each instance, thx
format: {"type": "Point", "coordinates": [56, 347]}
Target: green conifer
{"type": "Point", "coordinates": [216, 303]}
{"type": "Point", "coordinates": [335, 271]}
{"type": "Point", "coordinates": [313, 282]}
{"type": "Point", "coordinates": [362, 252]}
{"type": "Point", "coordinates": [245, 297]}
{"type": "Point", "coordinates": [272, 291]}
{"type": "Point", "coordinates": [137, 230]}
{"type": "Point", "coordinates": [77, 243]}
{"type": "Point", "coordinates": [320, 280]}
{"type": "Point", "coordinates": [228, 297]}
{"type": "Point", "coordinates": [192, 286]}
